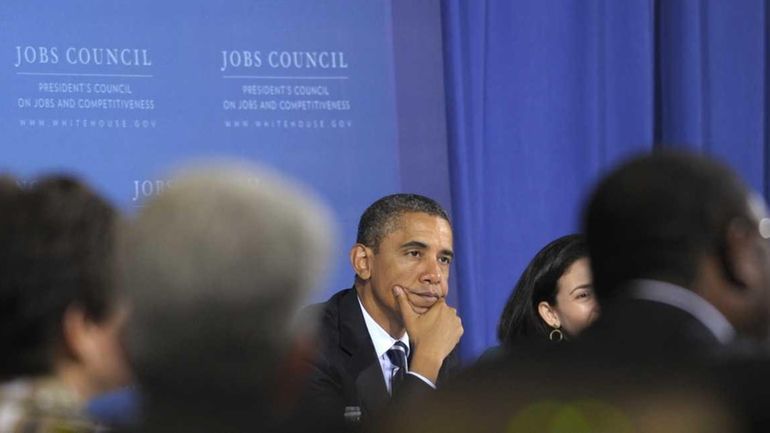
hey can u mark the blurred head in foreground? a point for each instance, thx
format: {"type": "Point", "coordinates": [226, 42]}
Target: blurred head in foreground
{"type": "Point", "coordinates": [59, 312]}
{"type": "Point", "coordinates": [547, 397]}
{"type": "Point", "coordinates": [216, 268]}
{"type": "Point", "coordinates": [688, 221]}
{"type": "Point", "coordinates": [60, 315]}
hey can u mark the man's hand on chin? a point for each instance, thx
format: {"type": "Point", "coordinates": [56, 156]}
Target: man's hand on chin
{"type": "Point", "coordinates": [433, 333]}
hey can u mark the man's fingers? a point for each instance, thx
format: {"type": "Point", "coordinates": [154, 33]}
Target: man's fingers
{"type": "Point", "coordinates": [403, 306]}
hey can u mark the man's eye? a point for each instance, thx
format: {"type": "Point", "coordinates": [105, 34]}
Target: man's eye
{"type": "Point", "coordinates": [445, 260]}
{"type": "Point", "coordinates": [413, 253]}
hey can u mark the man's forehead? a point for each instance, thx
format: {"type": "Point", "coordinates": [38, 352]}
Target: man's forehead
{"type": "Point", "coordinates": [412, 219]}
{"type": "Point", "coordinates": [414, 222]}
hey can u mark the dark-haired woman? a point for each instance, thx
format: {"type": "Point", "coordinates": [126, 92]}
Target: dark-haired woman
{"type": "Point", "coordinates": [553, 299]}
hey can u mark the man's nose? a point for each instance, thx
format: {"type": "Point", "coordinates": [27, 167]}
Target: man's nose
{"type": "Point", "coordinates": [432, 274]}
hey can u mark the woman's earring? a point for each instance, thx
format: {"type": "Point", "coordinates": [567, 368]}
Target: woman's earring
{"type": "Point", "coordinates": [556, 335]}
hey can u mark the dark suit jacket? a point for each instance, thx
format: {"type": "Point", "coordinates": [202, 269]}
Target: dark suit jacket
{"type": "Point", "coordinates": [657, 340]}
{"type": "Point", "coordinates": [641, 331]}
{"type": "Point", "coordinates": [346, 374]}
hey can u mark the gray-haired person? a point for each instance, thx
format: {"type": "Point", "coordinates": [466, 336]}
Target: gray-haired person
{"type": "Point", "coordinates": [216, 268]}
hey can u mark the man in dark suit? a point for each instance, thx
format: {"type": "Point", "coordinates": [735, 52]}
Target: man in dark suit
{"type": "Point", "coordinates": [679, 255]}
{"type": "Point", "coordinates": [392, 334]}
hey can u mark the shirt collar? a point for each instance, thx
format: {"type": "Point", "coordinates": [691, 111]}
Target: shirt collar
{"type": "Point", "coordinates": [380, 338]}
{"type": "Point", "coordinates": [688, 301]}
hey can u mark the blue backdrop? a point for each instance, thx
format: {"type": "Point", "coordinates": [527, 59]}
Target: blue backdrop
{"type": "Point", "coordinates": [345, 96]}
{"type": "Point", "coordinates": [543, 97]}
{"type": "Point", "coordinates": [509, 125]}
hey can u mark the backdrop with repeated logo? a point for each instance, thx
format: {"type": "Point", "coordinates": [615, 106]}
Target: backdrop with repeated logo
{"type": "Point", "coordinates": [326, 92]}
{"type": "Point", "coordinates": [348, 97]}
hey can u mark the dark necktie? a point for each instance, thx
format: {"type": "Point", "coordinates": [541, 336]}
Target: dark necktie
{"type": "Point", "coordinates": [397, 355]}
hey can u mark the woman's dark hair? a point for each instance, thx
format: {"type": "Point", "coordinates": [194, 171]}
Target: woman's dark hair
{"type": "Point", "coordinates": [520, 319]}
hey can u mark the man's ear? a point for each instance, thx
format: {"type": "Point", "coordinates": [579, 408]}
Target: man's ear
{"type": "Point", "coordinates": [361, 260]}
{"type": "Point", "coordinates": [740, 256]}
{"type": "Point", "coordinates": [547, 313]}
{"type": "Point", "coordinates": [75, 327]}
{"type": "Point", "coordinates": [744, 259]}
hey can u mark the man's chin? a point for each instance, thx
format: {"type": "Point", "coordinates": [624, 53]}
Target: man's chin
{"type": "Point", "coordinates": [420, 310]}
{"type": "Point", "coordinates": [419, 304]}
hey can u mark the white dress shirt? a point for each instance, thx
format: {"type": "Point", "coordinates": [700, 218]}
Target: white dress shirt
{"type": "Point", "coordinates": [382, 343]}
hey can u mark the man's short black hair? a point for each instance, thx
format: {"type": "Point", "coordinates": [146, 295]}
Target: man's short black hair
{"type": "Point", "coordinates": [56, 251]}
{"type": "Point", "coordinates": [657, 215]}
{"type": "Point", "coordinates": [381, 217]}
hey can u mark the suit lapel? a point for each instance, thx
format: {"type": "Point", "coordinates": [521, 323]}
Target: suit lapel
{"type": "Point", "coordinates": [364, 367]}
